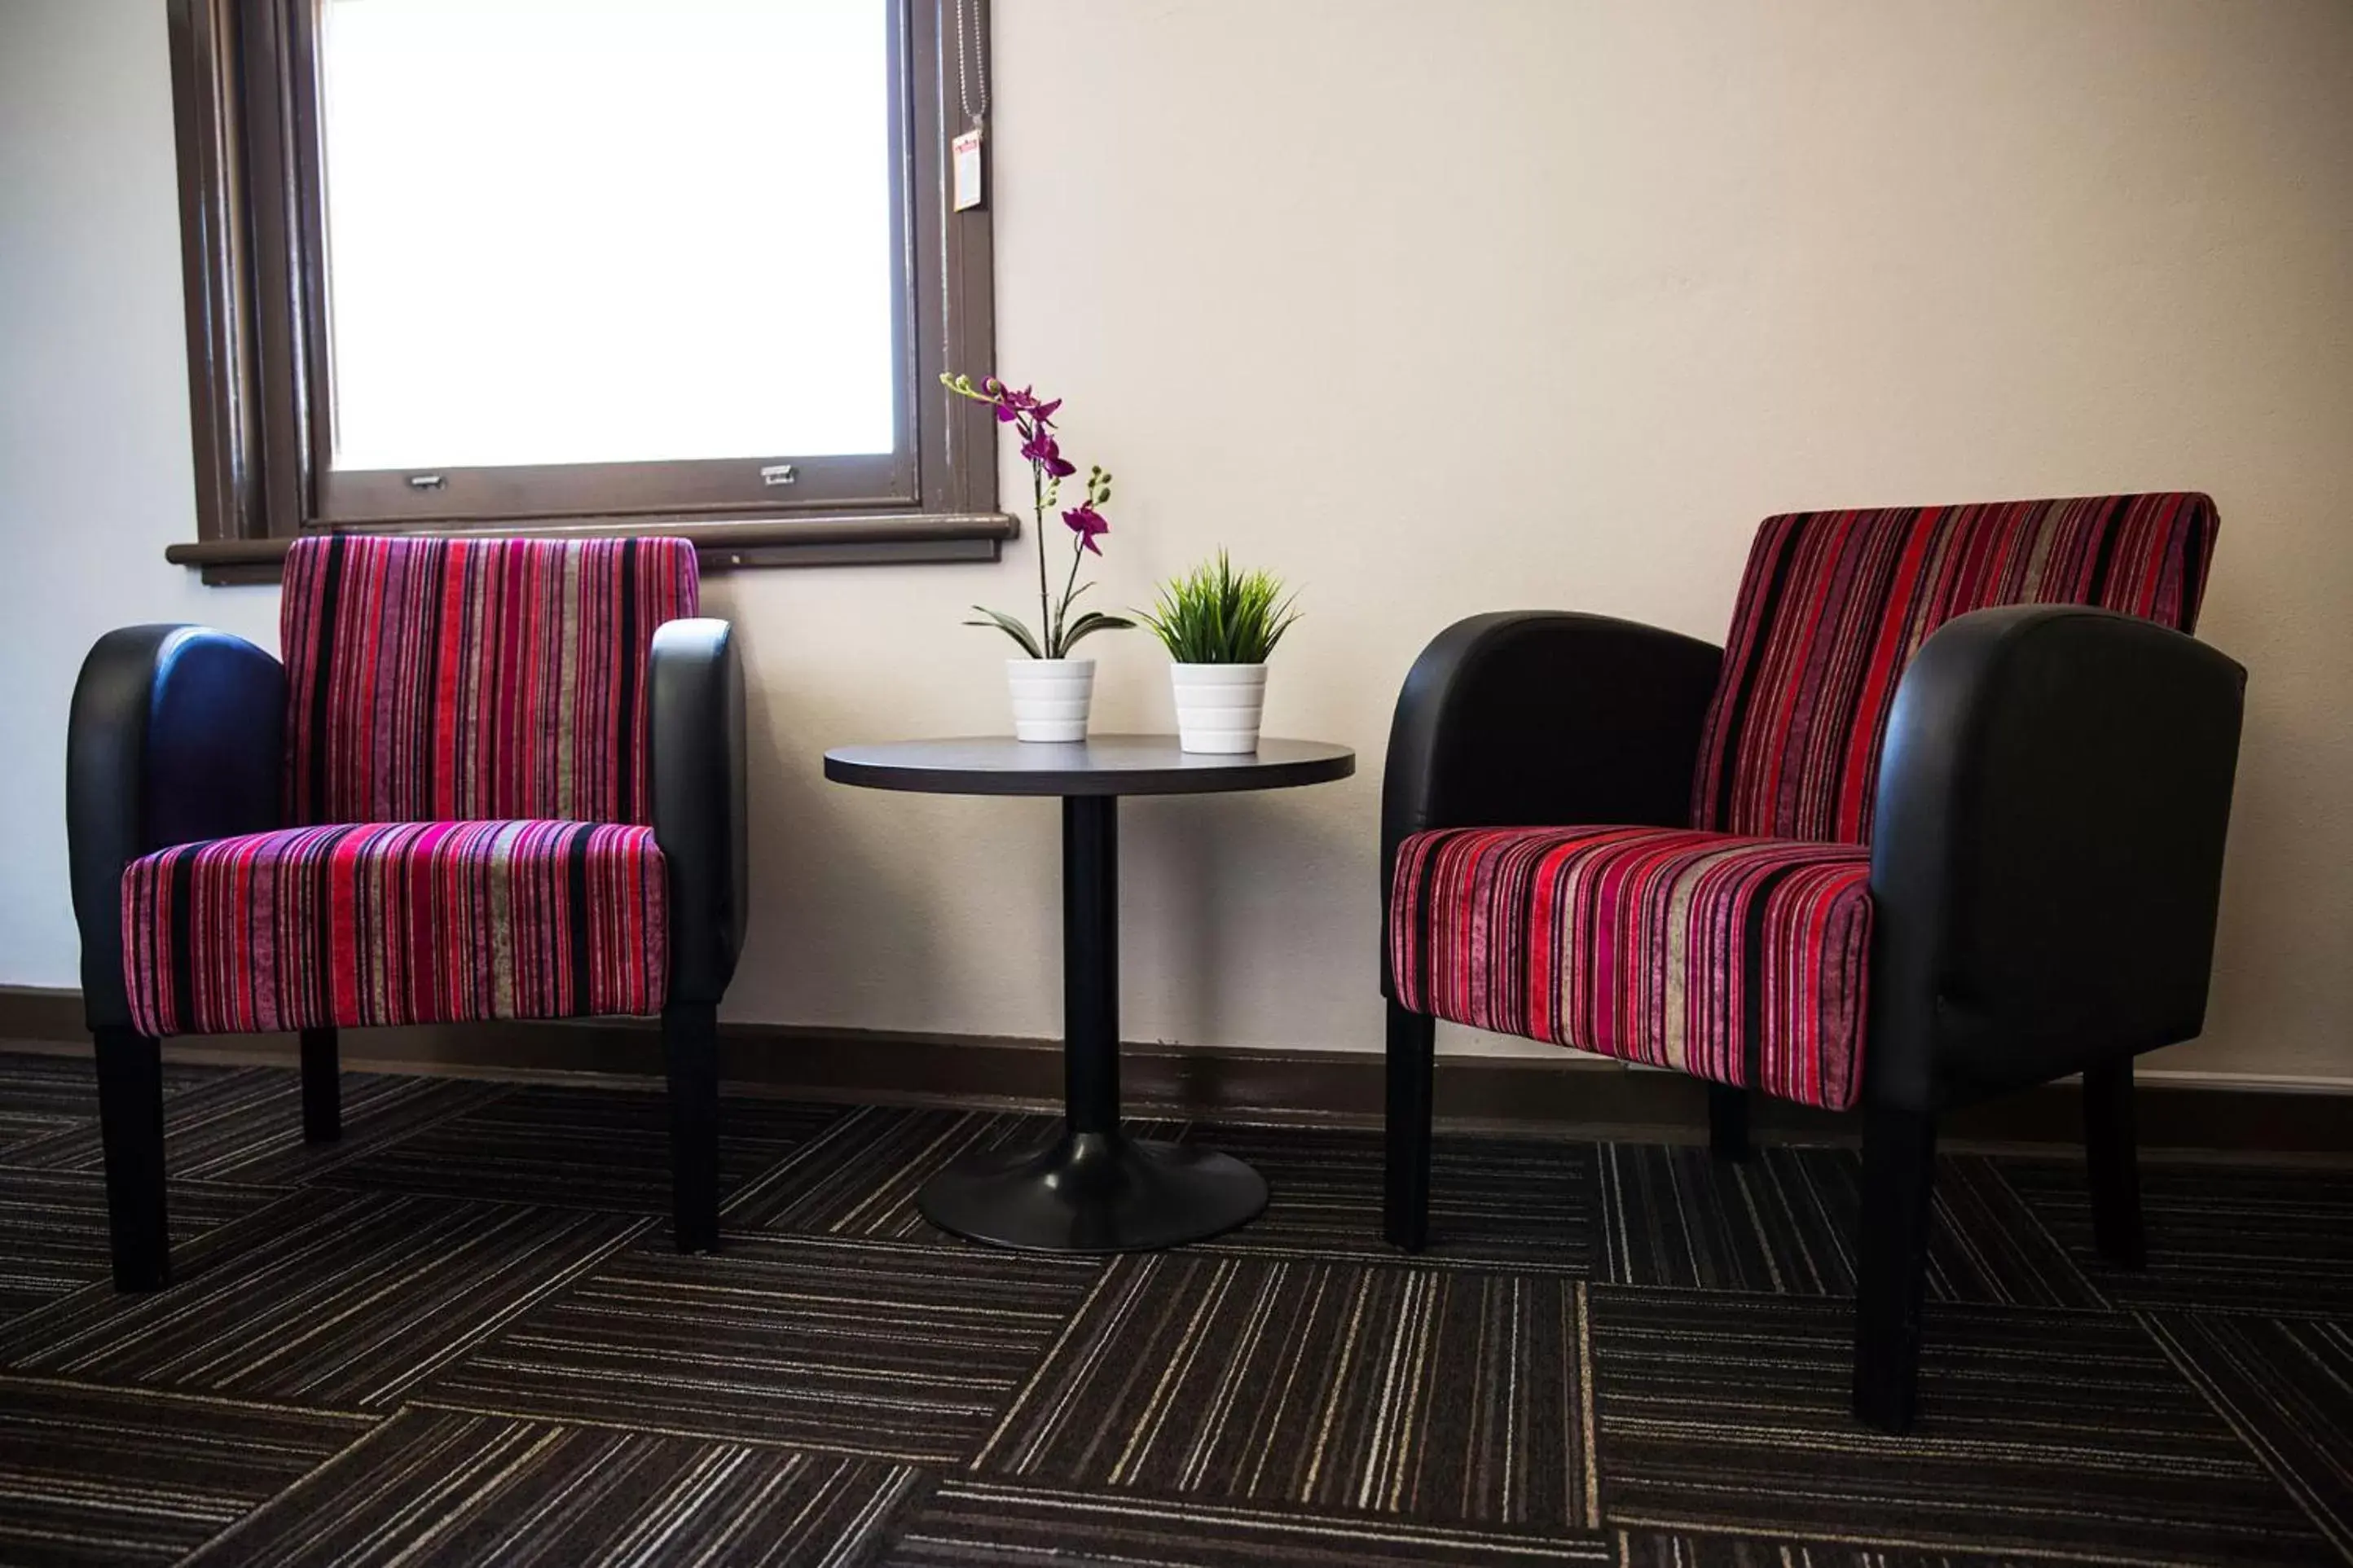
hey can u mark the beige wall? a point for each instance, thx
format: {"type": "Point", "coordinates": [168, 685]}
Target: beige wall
{"type": "Point", "coordinates": [1437, 308]}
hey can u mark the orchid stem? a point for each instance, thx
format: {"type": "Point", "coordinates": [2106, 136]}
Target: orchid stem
{"type": "Point", "coordinates": [1062, 611]}
{"type": "Point", "coordinates": [1037, 511]}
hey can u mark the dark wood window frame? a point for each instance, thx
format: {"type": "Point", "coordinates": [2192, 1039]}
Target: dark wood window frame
{"type": "Point", "coordinates": [245, 76]}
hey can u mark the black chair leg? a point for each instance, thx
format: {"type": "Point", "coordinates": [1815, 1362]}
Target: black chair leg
{"type": "Point", "coordinates": [131, 1126]}
{"type": "Point", "coordinates": [1899, 1158]}
{"type": "Point", "coordinates": [2110, 1151]}
{"type": "Point", "coordinates": [322, 1090]}
{"type": "Point", "coordinates": [1727, 1121]}
{"type": "Point", "coordinates": [690, 1048]}
{"type": "Point", "coordinates": [1412, 1063]}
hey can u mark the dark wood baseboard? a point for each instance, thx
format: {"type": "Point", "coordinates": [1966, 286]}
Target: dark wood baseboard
{"type": "Point", "coordinates": [1565, 1096]}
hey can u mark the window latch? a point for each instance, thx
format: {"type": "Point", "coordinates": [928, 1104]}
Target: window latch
{"type": "Point", "coordinates": [782, 474]}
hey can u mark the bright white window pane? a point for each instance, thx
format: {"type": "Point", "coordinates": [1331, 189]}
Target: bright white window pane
{"type": "Point", "coordinates": [572, 231]}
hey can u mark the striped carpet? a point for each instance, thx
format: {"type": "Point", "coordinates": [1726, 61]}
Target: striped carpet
{"type": "Point", "coordinates": [43, 1098]}
{"type": "Point", "coordinates": [461, 1336]}
{"type": "Point", "coordinates": [443, 1485]}
{"type": "Point", "coordinates": [1785, 1223]}
{"type": "Point", "coordinates": [575, 1147]}
{"type": "Point", "coordinates": [247, 1126]}
{"type": "Point", "coordinates": [857, 1174]}
{"type": "Point", "coordinates": [53, 1230]}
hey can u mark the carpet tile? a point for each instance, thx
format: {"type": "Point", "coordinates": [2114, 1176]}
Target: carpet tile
{"type": "Point", "coordinates": [2049, 1432]}
{"type": "Point", "coordinates": [21, 1128]}
{"type": "Point", "coordinates": [1524, 1202]}
{"type": "Point", "coordinates": [1785, 1220]}
{"type": "Point", "coordinates": [339, 1299]}
{"type": "Point", "coordinates": [44, 1097]}
{"type": "Point", "coordinates": [2286, 1385]}
{"type": "Point", "coordinates": [2220, 1239]}
{"type": "Point", "coordinates": [1441, 1396]}
{"type": "Point", "coordinates": [970, 1522]}
{"type": "Point", "coordinates": [434, 1487]}
{"type": "Point", "coordinates": [1658, 1549]}
{"type": "Point", "coordinates": [463, 1335]}
{"type": "Point", "coordinates": [99, 1476]}
{"type": "Point", "coordinates": [579, 1148]}
{"type": "Point", "coordinates": [247, 1126]}
{"type": "Point", "coordinates": [859, 1175]}
{"type": "Point", "coordinates": [890, 1350]}
{"type": "Point", "coordinates": [53, 1236]}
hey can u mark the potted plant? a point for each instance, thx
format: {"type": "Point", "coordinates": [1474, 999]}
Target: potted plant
{"type": "Point", "coordinates": [1219, 626]}
{"type": "Point", "coordinates": [1051, 691]}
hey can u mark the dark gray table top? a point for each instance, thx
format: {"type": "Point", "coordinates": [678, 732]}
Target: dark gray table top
{"type": "Point", "coordinates": [1100, 765]}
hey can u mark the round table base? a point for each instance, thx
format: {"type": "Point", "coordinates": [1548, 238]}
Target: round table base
{"type": "Point", "coordinates": [1094, 1192]}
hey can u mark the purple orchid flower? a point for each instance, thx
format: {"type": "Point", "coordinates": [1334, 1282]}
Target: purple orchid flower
{"type": "Point", "coordinates": [1014, 406]}
{"type": "Point", "coordinates": [1042, 450]}
{"type": "Point", "coordinates": [1088, 525]}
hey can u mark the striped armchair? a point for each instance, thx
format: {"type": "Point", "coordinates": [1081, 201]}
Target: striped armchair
{"type": "Point", "coordinates": [493, 779]}
{"type": "Point", "coordinates": [1943, 820]}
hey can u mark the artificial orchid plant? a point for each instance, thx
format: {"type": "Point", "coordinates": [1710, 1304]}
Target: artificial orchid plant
{"type": "Point", "coordinates": [1032, 420]}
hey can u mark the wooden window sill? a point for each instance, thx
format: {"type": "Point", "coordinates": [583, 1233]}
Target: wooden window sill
{"type": "Point", "coordinates": [901, 538]}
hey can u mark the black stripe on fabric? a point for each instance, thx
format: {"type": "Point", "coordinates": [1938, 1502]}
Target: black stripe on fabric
{"type": "Point", "coordinates": [488, 573]}
{"type": "Point", "coordinates": [1752, 972]}
{"type": "Point", "coordinates": [2191, 535]}
{"type": "Point", "coordinates": [576, 876]}
{"type": "Point", "coordinates": [184, 935]}
{"type": "Point", "coordinates": [320, 977]}
{"type": "Point", "coordinates": [2110, 524]}
{"type": "Point", "coordinates": [1877, 559]}
{"type": "Point", "coordinates": [627, 773]}
{"type": "Point", "coordinates": [1416, 909]}
{"type": "Point", "coordinates": [1739, 686]}
{"type": "Point", "coordinates": [1426, 916]}
{"type": "Point", "coordinates": [395, 876]}
{"type": "Point", "coordinates": [313, 806]}
{"type": "Point", "coordinates": [424, 665]}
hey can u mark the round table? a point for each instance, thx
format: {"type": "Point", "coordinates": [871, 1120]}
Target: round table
{"type": "Point", "coordinates": [1095, 1189]}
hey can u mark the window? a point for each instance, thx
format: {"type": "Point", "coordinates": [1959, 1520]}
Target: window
{"type": "Point", "coordinates": [685, 265]}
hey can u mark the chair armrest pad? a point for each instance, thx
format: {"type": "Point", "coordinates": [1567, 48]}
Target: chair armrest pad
{"type": "Point", "coordinates": [694, 690]}
{"type": "Point", "coordinates": [176, 734]}
{"type": "Point", "coordinates": [2046, 864]}
{"type": "Point", "coordinates": [1527, 718]}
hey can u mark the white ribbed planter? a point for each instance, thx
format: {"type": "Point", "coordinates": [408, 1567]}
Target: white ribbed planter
{"type": "Point", "coordinates": [1218, 706]}
{"type": "Point", "coordinates": [1050, 697]}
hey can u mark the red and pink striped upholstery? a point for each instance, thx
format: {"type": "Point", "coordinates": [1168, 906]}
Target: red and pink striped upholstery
{"type": "Point", "coordinates": [1740, 960]}
{"type": "Point", "coordinates": [1835, 604]}
{"type": "Point", "coordinates": [1738, 950]}
{"type": "Point", "coordinates": [413, 922]}
{"type": "Point", "coordinates": [433, 680]}
{"type": "Point", "coordinates": [466, 769]}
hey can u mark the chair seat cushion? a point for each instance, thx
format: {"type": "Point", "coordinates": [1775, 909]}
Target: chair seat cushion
{"type": "Point", "coordinates": [1740, 960]}
{"type": "Point", "coordinates": [402, 922]}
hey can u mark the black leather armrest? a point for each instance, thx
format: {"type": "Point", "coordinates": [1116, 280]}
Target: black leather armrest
{"type": "Point", "coordinates": [695, 714]}
{"type": "Point", "coordinates": [2047, 860]}
{"type": "Point", "coordinates": [1527, 718]}
{"type": "Point", "coordinates": [177, 735]}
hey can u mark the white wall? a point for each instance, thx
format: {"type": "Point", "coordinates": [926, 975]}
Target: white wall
{"type": "Point", "coordinates": [1437, 308]}
{"type": "Point", "coordinates": [95, 472]}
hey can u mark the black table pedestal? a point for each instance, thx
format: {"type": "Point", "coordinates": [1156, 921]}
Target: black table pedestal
{"type": "Point", "coordinates": [1095, 1190]}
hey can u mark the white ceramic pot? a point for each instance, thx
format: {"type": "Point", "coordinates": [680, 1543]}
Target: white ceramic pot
{"type": "Point", "coordinates": [1218, 706]}
{"type": "Point", "coordinates": [1050, 697]}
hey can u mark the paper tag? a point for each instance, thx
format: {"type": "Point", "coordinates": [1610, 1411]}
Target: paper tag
{"type": "Point", "coordinates": [965, 150]}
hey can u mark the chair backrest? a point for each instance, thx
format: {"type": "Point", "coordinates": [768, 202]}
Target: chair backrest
{"type": "Point", "coordinates": [1834, 604]}
{"type": "Point", "coordinates": [432, 680]}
